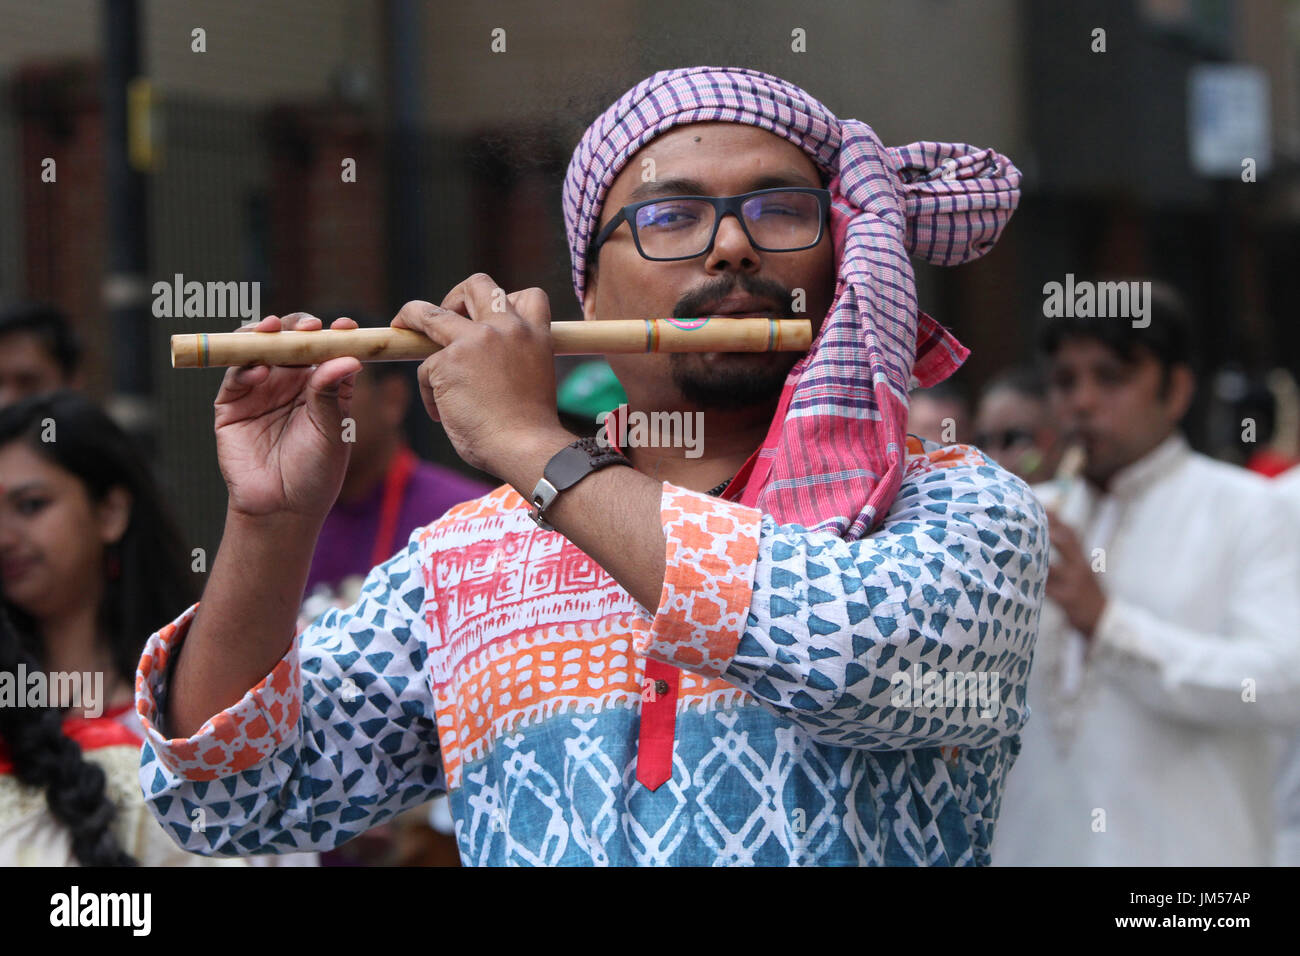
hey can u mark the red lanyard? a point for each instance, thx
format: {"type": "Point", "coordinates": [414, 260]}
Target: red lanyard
{"type": "Point", "coordinates": [395, 482]}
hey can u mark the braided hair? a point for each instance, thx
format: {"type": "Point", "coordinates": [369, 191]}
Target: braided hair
{"type": "Point", "coordinates": [152, 586]}
{"type": "Point", "coordinates": [43, 756]}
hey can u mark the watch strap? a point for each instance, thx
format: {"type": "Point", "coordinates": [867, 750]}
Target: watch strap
{"type": "Point", "coordinates": [578, 459]}
{"type": "Point", "coordinates": [566, 468]}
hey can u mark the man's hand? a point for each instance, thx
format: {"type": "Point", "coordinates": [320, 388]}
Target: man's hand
{"type": "Point", "coordinates": [279, 430]}
{"type": "Point", "coordinates": [281, 450]}
{"type": "Point", "coordinates": [1071, 582]}
{"type": "Point", "coordinates": [492, 384]}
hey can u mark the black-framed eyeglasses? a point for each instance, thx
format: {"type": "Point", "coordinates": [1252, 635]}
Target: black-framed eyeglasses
{"type": "Point", "coordinates": [785, 219]}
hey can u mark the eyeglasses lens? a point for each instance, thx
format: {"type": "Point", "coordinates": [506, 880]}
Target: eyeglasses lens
{"type": "Point", "coordinates": [681, 227]}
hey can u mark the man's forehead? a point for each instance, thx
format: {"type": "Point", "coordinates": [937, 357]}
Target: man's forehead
{"type": "Point", "coordinates": [1087, 347]}
{"type": "Point", "coordinates": [695, 153]}
{"type": "Point", "coordinates": [25, 344]}
{"type": "Point", "coordinates": [1082, 351]}
{"type": "Point", "coordinates": [715, 129]}
{"type": "Point", "coordinates": [692, 140]}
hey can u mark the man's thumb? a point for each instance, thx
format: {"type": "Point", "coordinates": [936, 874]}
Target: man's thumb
{"type": "Point", "coordinates": [325, 407]}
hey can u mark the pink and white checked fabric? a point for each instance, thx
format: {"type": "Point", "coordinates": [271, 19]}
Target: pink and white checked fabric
{"type": "Point", "coordinates": [833, 459]}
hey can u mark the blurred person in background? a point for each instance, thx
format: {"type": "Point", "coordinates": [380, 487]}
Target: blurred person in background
{"type": "Point", "coordinates": [39, 352]}
{"type": "Point", "coordinates": [940, 413]}
{"type": "Point", "coordinates": [1014, 424]}
{"type": "Point", "coordinates": [1168, 646]}
{"type": "Point", "coordinates": [89, 564]}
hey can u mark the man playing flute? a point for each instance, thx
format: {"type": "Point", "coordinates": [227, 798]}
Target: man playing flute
{"type": "Point", "coordinates": [1168, 652]}
{"type": "Point", "coordinates": [645, 658]}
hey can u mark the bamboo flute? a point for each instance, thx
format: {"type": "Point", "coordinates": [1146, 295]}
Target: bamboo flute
{"type": "Point", "coordinates": [717, 334]}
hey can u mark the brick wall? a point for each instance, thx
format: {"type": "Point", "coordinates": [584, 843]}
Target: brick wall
{"type": "Point", "coordinates": [59, 117]}
{"type": "Point", "coordinates": [327, 235]}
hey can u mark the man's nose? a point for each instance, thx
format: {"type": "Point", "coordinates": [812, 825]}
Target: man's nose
{"type": "Point", "coordinates": [1082, 399]}
{"type": "Point", "coordinates": [731, 246]}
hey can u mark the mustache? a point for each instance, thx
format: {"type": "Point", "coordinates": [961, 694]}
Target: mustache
{"type": "Point", "coordinates": [696, 301]}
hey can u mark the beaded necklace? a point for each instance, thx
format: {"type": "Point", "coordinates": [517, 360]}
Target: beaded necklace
{"type": "Point", "coordinates": [718, 489]}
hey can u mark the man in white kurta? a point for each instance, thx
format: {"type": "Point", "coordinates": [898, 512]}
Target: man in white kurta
{"type": "Point", "coordinates": [1154, 719]}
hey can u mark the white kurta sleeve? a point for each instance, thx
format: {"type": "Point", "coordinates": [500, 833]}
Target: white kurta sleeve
{"type": "Point", "coordinates": [1245, 672]}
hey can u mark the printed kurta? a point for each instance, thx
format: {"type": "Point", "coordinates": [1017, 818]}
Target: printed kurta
{"type": "Point", "coordinates": [498, 662]}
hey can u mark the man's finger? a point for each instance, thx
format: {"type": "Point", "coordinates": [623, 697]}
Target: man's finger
{"type": "Point", "coordinates": [270, 323]}
{"type": "Point", "coordinates": [246, 376]}
{"type": "Point", "coordinates": [426, 389]}
{"type": "Point", "coordinates": [434, 322]}
{"type": "Point", "coordinates": [533, 306]}
{"type": "Point", "coordinates": [1069, 557]}
{"type": "Point", "coordinates": [238, 377]}
{"type": "Point", "coordinates": [301, 321]}
{"type": "Point", "coordinates": [1061, 533]}
{"type": "Point", "coordinates": [325, 386]}
{"type": "Point", "coordinates": [478, 297]}
{"type": "Point", "coordinates": [333, 372]}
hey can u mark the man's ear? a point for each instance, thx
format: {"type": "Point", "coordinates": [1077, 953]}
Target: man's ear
{"type": "Point", "coordinates": [1182, 386]}
{"type": "Point", "coordinates": [589, 297]}
{"type": "Point", "coordinates": [114, 514]}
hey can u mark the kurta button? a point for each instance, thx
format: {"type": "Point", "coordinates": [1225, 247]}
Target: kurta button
{"type": "Point", "coordinates": [661, 687]}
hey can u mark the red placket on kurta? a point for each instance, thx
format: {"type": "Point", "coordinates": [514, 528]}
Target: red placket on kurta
{"type": "Point", "coordinates": [661, 684]}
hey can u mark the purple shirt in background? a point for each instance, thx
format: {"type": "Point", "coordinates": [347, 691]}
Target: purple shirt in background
{"type": "Point", "coordinates": [348, 536]}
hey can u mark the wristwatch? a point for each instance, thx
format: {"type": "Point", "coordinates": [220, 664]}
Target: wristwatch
{"type": "Point", "coordinates": [566, 468]}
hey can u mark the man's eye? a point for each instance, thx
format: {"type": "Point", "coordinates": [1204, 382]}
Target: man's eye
{"type": "Point", "coordinates": [30, 506]}
{"type": "Point", "coordinates": [661, 217]}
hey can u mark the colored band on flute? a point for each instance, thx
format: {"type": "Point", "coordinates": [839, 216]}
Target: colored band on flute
{"type": "Point", "coordinates": [203, 350]}
{"type": "Point", "coordinates": [686, 325]}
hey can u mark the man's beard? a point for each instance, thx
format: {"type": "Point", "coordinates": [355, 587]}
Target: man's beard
{"type": "Point", "coordinates": [725, 385]}
{"type": "Point", "coordinates": [739, 383]}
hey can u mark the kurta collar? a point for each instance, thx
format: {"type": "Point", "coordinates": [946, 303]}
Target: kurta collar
{"type": "Point", "coordinates": [1144, 472]}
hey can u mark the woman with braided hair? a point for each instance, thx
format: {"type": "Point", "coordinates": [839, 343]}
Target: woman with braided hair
{"type": "Point", "coordinates": [89, 564]}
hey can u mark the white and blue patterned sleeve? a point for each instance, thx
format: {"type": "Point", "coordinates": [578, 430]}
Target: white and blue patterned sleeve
{"type": "Point", "coordinates": [337, 738]}
{"type": "Point", "coordinates": [919, 635]}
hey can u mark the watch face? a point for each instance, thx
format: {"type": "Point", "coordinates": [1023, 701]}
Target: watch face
{"type": "Point", "coordinates": [568, 466]}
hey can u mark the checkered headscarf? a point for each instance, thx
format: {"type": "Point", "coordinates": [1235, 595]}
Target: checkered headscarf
{"type": "Point", "coordinates": [833, 459]}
